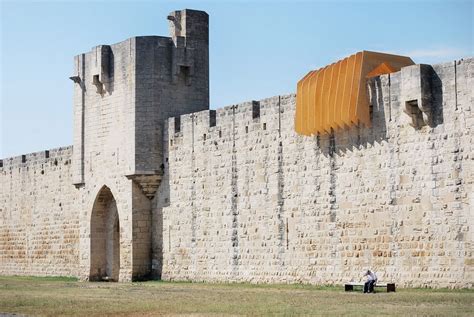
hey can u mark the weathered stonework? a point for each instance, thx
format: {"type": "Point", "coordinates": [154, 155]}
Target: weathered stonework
{"type": "Point", "coordinates": [156, 186]}
{"type": "Point", "coordinates": [39, 224]}
{"type": "Point", "coordinates": [250, 200]}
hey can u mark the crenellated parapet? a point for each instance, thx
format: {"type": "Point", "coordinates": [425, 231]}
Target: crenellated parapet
{"type": "Point", "coordinates": [52, 157]}
{"type": "Point", "coordinates": [39, 216]}
{"type": "Point", "coordinates": [210, 126]}
{"type": "Point", "coordinates": [418, 88]}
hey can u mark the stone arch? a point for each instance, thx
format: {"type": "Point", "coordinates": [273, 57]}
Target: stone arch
{"type": "Point", "coordinates": [105, 238]}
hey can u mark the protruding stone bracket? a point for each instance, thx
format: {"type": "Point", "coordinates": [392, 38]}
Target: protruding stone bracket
{"type": "Point", "coordinates": [175, 23]}
{"type": "Point", "coordinates": [148, 183]}
{"type": "Point", "coordinates": [416, 95]}
{"type": "Point", "coordinates": [78, 71]}
{"type": "Point", "coordinates": [79, 185]}
{"type": "Point", "coordinates": [75, 79]}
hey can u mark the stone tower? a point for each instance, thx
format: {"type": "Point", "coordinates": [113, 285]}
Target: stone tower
{"type": "Point", "coordinates": [123, 93]}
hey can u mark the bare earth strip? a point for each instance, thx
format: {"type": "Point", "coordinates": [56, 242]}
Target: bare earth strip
{"type": "Point", "coordinates": [32, 296]}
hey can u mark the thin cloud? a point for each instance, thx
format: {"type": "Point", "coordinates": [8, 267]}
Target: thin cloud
{"type": "Point", "coordinates": [437, 53]}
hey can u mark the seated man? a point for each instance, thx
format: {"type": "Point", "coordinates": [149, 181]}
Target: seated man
{"type": "Point", "coordinates": [371, 281]}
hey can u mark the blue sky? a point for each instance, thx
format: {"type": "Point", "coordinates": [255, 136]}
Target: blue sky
{"type": "Point", "coordinates": [257, 48]}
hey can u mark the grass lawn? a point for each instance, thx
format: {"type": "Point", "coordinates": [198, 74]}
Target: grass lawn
{"type": "Point", "coordinates": [64, 296]}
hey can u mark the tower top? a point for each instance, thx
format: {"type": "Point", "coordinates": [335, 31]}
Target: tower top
{"type": "Point", "coordinates": [189, 23]}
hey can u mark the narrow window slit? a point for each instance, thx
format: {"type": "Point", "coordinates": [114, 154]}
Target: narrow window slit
{"type": "Point", "coordinates": [177, 124]}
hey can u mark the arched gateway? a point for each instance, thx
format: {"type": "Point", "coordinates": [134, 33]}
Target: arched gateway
{"type": "Point", "coordinates": [105, 238]}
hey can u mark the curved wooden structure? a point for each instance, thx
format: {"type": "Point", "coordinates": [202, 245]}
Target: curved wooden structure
{"type": "Point", "coordinates": [335, 97]}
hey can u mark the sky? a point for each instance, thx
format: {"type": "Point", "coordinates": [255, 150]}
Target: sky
{"type": "Point", "coordinates": [258, 49]}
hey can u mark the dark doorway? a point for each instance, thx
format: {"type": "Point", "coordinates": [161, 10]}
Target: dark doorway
{"type": "Point", "coordinates": [105, 238]}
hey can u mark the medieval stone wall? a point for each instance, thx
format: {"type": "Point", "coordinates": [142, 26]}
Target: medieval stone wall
{"type": "Point", "coordinates": [245, 198]}
{"type": "Point", "coordinates": [39, 215]}
{"type": "Point", "coordinates": [242, 196]}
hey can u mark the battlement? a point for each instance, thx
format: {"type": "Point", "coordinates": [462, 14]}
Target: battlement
{"type": "Point", "coordinates": [56, 156]}
{"type": "Point", "coordinates": [248, 116]}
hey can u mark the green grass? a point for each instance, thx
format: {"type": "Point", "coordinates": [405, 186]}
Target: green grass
{"type": "Point", "coordinates": [44, 278]}
{"type": "Point", "coordinates": [55, 296]}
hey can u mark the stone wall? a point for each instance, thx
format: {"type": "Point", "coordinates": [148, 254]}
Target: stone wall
{"type": "Point", "coordinates": [39, 215]}
{"type": "Point", "coordinates": [244, 198]}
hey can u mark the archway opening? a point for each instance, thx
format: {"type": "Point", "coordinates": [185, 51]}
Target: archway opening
{"type": "Point", "coordinates": [105, 238]}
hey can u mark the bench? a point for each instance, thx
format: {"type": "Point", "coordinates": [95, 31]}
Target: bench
{"type": "Point", "coordinates": [389, 286]}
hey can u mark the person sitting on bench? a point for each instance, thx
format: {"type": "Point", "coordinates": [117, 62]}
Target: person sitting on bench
{"type": "Point", "coordinates": [371, 281]}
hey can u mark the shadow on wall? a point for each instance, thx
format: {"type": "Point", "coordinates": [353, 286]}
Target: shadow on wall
{"type": "Point", "coordinates": [160, 201]}
{"type": "Point", "coordinates": [437, 100]}
{"type": "Point", "coordinates": [359, 137]}
{"type": "Point", "coordinates": [109, 83]}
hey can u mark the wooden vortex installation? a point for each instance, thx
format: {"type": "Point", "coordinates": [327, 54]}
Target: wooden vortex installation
{"type": "Point", "coordinates": [335, 97]}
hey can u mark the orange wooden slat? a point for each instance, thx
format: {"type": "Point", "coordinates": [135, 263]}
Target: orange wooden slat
{"type": "Point", "coordinates": [300, 106]}
{"type": "Point", "coordinates": [355, 89]}
{"type": "Point", "coordinates": [333, 124]}
{"type": "Point", "coordinates": [325, 99]}
{"type": "Point", "coordinates": [384, 68]}
{"type": "Point", "coordinates": [311, 121]}
{"type": "Point", "coordinates": [340, 94]}
{"type": "Point", "coordinates": [319, 101]}
{"type": "Point", "coordinates": [346, 118]}
{"type": "Point", "coordinates": [305, 89]}
{"type": "Point", "coordinates": [307, 102]}
{"type": "Point", "coordinates": [363, 113]}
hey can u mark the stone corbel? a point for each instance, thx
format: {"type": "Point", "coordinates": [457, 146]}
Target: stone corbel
{"type": "Point", "coordinates": [148, 182]}
{"type": "Point", "coordinates": [78, 71]}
